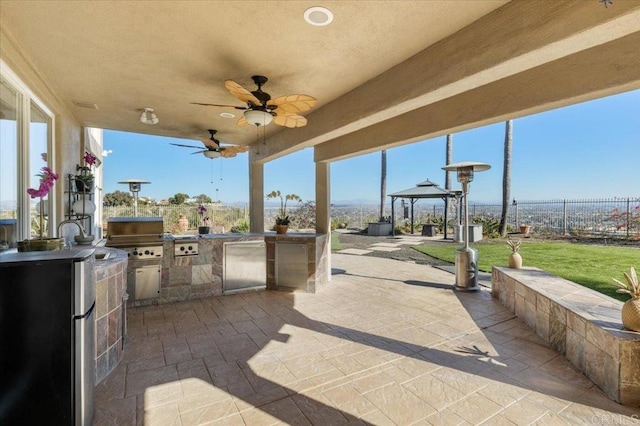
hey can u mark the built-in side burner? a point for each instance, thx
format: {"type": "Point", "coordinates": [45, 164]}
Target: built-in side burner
{"type": "Point", "coordinates": [185, 245]}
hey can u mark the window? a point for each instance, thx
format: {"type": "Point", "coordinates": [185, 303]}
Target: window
{"type": "Point", "coordinates": [26, 145]}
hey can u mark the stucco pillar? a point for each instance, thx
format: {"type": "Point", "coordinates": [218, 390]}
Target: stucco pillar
{"type": "Point", "coordinates": [256, 196]}
{"type": "Point", "coordinates": [323, 210]}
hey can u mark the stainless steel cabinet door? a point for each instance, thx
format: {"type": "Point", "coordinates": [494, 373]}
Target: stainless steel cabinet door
{"type": "Point", "coordinates": [148, 282]}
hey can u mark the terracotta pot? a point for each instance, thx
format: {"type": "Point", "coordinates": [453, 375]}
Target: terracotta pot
{"type": "Point", "coordinates": [183, 224]}
{"type": "Point", "coordinates": [631, 314]}
{"type": "Point", "coordinates": [515, 261]}
{"type": "Point", "coordinates": [525, 229]}
{"type": "Point", "coordinates": [281, 229]}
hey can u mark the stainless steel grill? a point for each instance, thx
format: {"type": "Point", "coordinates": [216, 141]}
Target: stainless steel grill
{"type": "Point", "coordinates": [141, 237]}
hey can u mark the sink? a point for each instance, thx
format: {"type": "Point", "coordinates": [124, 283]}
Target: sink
{"type": "Point", "coordinates": [102, 256]}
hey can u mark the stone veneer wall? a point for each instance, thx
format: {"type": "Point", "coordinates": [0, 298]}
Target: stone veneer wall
{"type": "Point", "coordinates": [317, 258]}
{"type": "Point", "coordinates": [111, 284]}
{"type": "Point", "coordinates": [191, 277]}
{"type": "Point", "coordinates": [580, 323]}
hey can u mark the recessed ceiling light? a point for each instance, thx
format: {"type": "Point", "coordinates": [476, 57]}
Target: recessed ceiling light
{"type": "Point", "coordinates": [318, 16]}
{"type": "Point", "coordinates": [227, 115]}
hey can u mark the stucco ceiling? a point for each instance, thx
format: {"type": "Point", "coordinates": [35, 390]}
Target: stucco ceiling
{"type": "Point", "coordinates": [377, 62]}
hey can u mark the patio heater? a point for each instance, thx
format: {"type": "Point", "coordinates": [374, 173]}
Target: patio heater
{"type": "Point", "coordinates": [134, 187]}
{"type": "Point", "coordinates": [466, 257]}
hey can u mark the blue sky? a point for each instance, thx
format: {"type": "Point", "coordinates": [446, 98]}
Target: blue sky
{"type": "Point", "coordinates": [587, 150]}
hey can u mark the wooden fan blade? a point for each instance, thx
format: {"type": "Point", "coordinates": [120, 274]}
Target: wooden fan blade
{"type": "Point", "coordinates": [293, 103]}
{"type": "Point", "coordinates": [232, 151]}
{"type": "Point", "coordinates": [186, 146]}
{"type": "Point", "coordinates": [241, 93]}
{"type": "Point", "coordinates": [218, 105]}
{"type": "Point", "coordinates": [242, 122]}
{"type": "Point", "coordinates": [211, 144]}
{"type": "Point", "coordinates": [290, 120]}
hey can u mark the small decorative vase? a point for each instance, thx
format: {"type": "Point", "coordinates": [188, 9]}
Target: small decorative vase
{"type": "Point", "coordinates": [631, 314]}
{"type": "Point", "coordinates": [515, 261]}
{"type": "Point", "coordinates": [203, 229]}
{"type": "Point", "coordinates": [281, 229]}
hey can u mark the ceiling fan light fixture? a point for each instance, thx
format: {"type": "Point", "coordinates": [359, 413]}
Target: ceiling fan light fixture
{"type": "Point", "coordinates": [318, 16]}
{"type": "Point", "coordinates": [257, 117]}
{"type": "Point", "coordinates": [212, 154]}
{"type": "Point", "coordinates": [148, 116]}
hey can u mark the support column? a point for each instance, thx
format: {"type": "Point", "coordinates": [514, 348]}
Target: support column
{"type": "Point", "coordinates": [323, 212]}
{"type": "Point", "coordinates": [256, 196]}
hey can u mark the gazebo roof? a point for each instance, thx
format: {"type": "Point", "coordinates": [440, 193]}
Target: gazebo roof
{"type": "Point", "coordinates": [426, 189]}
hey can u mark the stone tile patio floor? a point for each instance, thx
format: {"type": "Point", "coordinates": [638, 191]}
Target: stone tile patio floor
{"type": "Point", "coordinates": [384, 343]}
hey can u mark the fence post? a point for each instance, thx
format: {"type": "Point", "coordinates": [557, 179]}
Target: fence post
{"type": "Point", "coordinates": [564, 217]}
{"type": "Point", "coordinates": [515, 203]}
{"type": "Point", "coordinates": [628, 216]}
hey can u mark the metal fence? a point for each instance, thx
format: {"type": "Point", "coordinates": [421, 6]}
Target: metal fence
{"type": "Point", "coordinates": [219, 215]}
{"type": "Point", "coordinates": [613, 217]}
{"type": "Point", "coordinates": [610, 217]}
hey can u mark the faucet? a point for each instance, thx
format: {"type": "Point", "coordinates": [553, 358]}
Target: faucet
{"type": "Point", "coordinates": [83, 234]}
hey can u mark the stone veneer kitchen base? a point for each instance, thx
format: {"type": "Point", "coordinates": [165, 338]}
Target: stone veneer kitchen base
{"type": "Point", "coordinates": [580, 323]}
{"type": "Point", "coordinates": [111, 284]}
{"type": "Point", "coordinates": [194, 277]}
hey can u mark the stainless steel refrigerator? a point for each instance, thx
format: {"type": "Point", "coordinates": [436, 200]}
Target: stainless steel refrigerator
{"type": "Point", "coordinates": [47, 344]}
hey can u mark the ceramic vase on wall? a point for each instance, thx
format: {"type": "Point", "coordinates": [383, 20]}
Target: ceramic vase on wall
{"type": "Point", "coordinates": [631, 314]}
{"type": "Point", "coordinates": [515, 261]}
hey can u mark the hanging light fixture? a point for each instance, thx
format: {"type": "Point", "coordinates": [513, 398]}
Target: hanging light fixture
{"type": "Point", "coordinates": [148, 116]}
{"type": "Point", "coordinates": [257, 117]}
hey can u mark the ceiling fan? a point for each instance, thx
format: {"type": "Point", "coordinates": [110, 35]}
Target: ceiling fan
{"type": "Point", "coordinates": [213, 148]}
{"type": "Point", "coordinates": [261, 109]}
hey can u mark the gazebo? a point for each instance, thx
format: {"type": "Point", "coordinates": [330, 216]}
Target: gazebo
{"type": "Point", "coordinates": [426, 189]}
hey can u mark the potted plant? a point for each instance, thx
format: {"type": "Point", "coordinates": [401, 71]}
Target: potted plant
{"type": "Point", "coordinates": [515, 260]}
{"type": "Point", "coordinates": [47, 178]}
{"type": "Point", "coordinates": [631, 308]}
{"type": "Point", "coordinates": [204, 228]}
{"type": "Point", "coordinates": [84, 180]}
{"type": "Point", "coordinates": [282, 219]}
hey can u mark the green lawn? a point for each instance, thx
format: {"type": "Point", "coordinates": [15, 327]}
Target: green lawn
{"type": "Point", "coordinates": [589, 265]}
{"type": "Point", "coordinates": [335, 242]}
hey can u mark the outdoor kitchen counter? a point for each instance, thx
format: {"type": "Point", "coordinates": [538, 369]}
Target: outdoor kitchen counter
{"type": "Point", "coordinates": [110, 270]}
{"type": "Point", "coordinates": [201, 275]}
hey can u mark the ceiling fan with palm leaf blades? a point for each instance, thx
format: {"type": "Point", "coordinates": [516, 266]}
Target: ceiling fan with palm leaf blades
{"type": "Point", "coordinates": [261, 109]}
{"type": "Point", "coordinates": [213, 148]}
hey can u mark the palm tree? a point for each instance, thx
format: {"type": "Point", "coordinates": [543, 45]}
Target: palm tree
{"type": "Point", "coordinates": [383, 182]}
{"type": "Point", "coordinates": [447, 178]}
{"type": "Point", "coordinates": [506, 176]}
